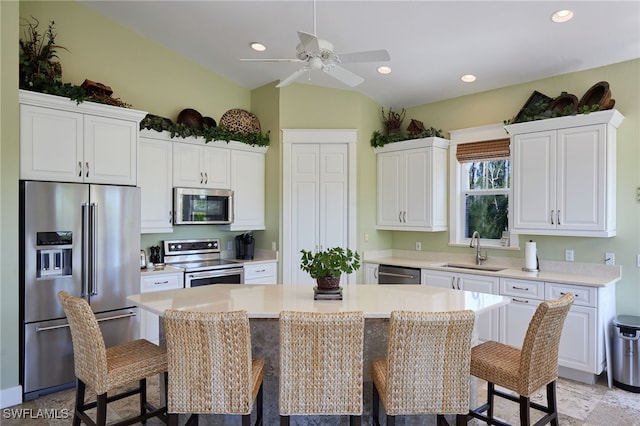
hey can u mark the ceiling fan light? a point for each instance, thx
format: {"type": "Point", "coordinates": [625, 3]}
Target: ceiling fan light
{"type": "Point", "coordinates": [468, 78]}
{"type": "Point", "coordinates": [561, 16]}
{"type": "Point", "coordinates": [384, 70]}
{"type": "Point", "coordinates": [258, 47]}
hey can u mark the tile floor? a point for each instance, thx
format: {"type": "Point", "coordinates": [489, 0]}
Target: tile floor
{"type": "Point", "coordinates": [579, 404]}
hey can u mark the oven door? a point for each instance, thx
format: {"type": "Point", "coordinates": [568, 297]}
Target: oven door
{"type": "Point", "coordinates": [216, 276]}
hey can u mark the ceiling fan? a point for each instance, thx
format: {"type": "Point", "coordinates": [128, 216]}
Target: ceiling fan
{"type": "Point", "coordinates": [317, 54]}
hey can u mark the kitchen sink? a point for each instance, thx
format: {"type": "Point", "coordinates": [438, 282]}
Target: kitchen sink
{"type": "Point", "coordinates": [474, 267]}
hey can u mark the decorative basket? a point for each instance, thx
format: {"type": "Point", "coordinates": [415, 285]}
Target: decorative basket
{"type": "Point", "coordinates": [240, 121]}
{"type": "Point", "coordinates": [191, 117]}
{"type": "Point", "coordinates": [598, 94]}
{"type": "Point", "coordinates": [566, 101]}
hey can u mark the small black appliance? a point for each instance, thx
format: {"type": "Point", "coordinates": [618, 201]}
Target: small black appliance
{"type": "Point", "coordinates": [245, 245]}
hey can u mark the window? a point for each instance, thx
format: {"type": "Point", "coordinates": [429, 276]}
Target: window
{"type": "Point", "coordinates": [486, 197]}
{"type": "Point", "coordinates": [480, 186]}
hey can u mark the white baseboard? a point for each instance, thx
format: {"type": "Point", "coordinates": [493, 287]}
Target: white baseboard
{"type": "Point", "coordinates": [10, 397]}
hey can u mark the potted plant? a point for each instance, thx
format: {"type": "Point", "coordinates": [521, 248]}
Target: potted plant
{"type": "Point", "coordinates": [328, 265]}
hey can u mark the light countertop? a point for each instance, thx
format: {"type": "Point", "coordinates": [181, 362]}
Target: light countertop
{"type": "Point", "coordinates": [266, 301]}
{"type": "Point", "coordinates": [576, 273]}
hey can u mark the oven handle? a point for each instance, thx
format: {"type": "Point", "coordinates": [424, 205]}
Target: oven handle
{"type": "Point", "coordinates": [214, 273]}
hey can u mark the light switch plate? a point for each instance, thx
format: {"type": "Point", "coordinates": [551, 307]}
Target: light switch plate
{"type": "Point", "coordinates": [568, 255]}
{"type": "Point", "coordinates": [609, 258]}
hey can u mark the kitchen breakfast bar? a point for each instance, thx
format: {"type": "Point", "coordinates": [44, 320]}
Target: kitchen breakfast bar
{"type": "Point", "coordinates": [264, 303]}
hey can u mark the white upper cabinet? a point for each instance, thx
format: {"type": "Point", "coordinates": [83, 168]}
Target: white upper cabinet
{"type": "Point", "coordinates": [61, 140]}
{"type": "Point", "coordinates": [564, 175]}
{"type": "Point", "coordinates": [412, 185]}
{"type": "Point", "coordinates": [247, 183]}
{"type": "Point", "coordinates": [155, 165]}
{"type": "Point", "coordinates": [197, 165]}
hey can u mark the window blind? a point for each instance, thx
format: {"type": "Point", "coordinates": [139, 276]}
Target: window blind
{"type": "Point", "coordinates": [485, 150]}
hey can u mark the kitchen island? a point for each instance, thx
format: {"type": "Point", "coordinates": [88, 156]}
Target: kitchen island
{"type": "Point", "coordinates": [264, 303]}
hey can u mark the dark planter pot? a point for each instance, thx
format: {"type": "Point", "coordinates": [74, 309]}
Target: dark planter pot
{"type": "Point", "coordinates": [328, 283]}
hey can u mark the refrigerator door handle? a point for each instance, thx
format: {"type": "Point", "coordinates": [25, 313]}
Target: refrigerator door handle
{"type": "Point", "coordinates": [93, 223]}
{"type": "Point", "coordinates": [55, 327]}
{"type": "Point", "coordinates": [85, 250]}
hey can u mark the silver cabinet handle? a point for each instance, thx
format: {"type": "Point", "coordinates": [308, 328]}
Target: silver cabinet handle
{"type": "Point", "coordinates": [400, 216]}
{"type": "Point", "coordinates": [453, 281]}
{"type": "Point", "coordinates": [519, 300]}
{"type": "Point", "coordinates": [404, 216]}
{"type": "Point", "coordinates": [206, 178]}
{"type": "Point", "coordinates": [87, 163]}
{"type": "Point", "coordinates": [458, 283]}
{"type": "Point", "coordinates": [520, 288]}
{"type": "Point", "coordinates": [375, 274]}
{"type": "Point", "coordinates": [79, 168]}
{"type": "Point", "coordinates": [552, 218]}
{"type": "Point", "coordinates": [201, 178]}
{"type": "Point", "coordinates": [558, 217]}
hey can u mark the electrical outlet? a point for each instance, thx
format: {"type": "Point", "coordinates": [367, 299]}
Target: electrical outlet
{"type": "Point", "coordinates": [568, 255]}
{"type": "Point", "coordinates": [418, 246]}
{"type": "Point", "coordinates": [609, 258]}
{"type": "Point", "coordinates": [366, 237]}
{"type": "Point", "coordinates": [229, 245]}
{"type": "Point", "coordinates": [273, 245]}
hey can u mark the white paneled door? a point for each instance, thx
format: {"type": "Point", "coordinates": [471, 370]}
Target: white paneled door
{"type": "Point", "coordinates": [319, 187]}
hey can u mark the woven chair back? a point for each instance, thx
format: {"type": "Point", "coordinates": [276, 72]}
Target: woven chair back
{"type": "Point", "coordinates": [89, 351]}
{"type": "Point", "coordinates": [539, 354]}
{"type": "Point", "coordinates": [321, 360]}
{"type": "Point", "coordinates": [209, 362]}
{"type": "Point", "coordinates": [428, 362]}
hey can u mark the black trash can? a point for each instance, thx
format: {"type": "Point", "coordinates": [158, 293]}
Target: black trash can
{"type": "Point", "coordinates": [625, 351]}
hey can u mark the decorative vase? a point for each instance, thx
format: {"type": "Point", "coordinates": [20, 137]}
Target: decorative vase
{"type": "Point", "coordinates": [328, 283]}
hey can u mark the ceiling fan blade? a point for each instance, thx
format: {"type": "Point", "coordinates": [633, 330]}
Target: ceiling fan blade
{"type": "Point", "coordinates": [292, 77]}
{"type": "Point", "coordinates": [365, 56]}
{"type": "Point", "coordinates": [342, 74]}
{"type": "Point", "coordinates": [270, 60]}
{"type": "Point", "coordinates": [309, 42]}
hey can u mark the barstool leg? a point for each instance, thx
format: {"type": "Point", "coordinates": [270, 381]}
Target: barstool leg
{"type": "Point", "coordinates": [284, 420]}
{"type": "Point", "coordinates": [376, 406]}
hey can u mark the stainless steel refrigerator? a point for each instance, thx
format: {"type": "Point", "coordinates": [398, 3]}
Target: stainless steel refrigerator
{"type": "Point", "coordinates": [84, 239]}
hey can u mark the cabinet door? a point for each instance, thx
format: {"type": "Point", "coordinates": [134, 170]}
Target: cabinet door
{"type": "Point", "coordinates": [487, 322]}
{"type": "Point", "coordinates": [216, 162]}
{"type": "Point", "coordinates": [578, 341]}
{"type": "Point", "coordinates": [440, 279]}
{"type": "Point", "coordinates": [390, 188]}
{"type": "Point", "coordinates": [51, 146]}
{"type": "Point", "coordinates": [187, 165]}
{"type": "Point", "coordinates": [247, 183]}
{"type": "Point", "coordinates": [110, 150]}
{"type": "Point", "coordinates": [417, 186]}
{"type": "Point", "coordinates": [371, 273]}
{"type": "Point", "coordinates": [155, 180]}
{"type": "Point", "coordinates": [334, 195]}
{"type": "Point", "coordinates": [534, 182]}
{"type": "Point", "coordinates": [581, 178]}
{"type": "Point", "coordinates": [514, 320]}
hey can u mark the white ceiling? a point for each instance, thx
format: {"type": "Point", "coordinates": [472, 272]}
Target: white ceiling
{"type": "Point", "coordinates": [431, 43]}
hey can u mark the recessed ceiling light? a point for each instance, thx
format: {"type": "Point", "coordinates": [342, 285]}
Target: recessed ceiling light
{"type": "Point", "coordinates": [562, 16]}
{"type": "Point", "coordinates": [468, 78]}
{"type": "Point", "coordinates": [384, 70]}
{"type": "Point", "coordinates": [258, 47]}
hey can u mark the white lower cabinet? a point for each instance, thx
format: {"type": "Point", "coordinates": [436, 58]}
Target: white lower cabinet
{"type": "Point", "coordinates": [488, 322]}
{"type": "Point", "coordinates": [371, 273]}
{"type": "Point", "coordinates": [261, 273]}
{"type": "Point", "coordinates": [151, 282]}
{"type": "Point", "coordinates": [581, 355]}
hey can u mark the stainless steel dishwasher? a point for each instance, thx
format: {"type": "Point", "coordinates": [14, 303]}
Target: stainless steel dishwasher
{"type": "Point", "coordinates": [388, 274]}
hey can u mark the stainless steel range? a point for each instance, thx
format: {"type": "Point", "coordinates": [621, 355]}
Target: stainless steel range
{"type": "Point", "coordinates": [201, 262]}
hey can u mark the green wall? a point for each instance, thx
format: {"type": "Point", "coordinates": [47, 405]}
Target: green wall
{"type": "Point", "coordinates": [157, 80]}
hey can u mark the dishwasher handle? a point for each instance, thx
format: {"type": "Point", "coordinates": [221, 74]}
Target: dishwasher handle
{"type": "Point", "coordinates": [391, 274]}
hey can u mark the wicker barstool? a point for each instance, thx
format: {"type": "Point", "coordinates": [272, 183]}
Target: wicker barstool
{"type": "Point", "coordinates": [210, 366]}
{"type": "Point", "coordinates": [105, 369]}
{"type": "Point", "coordinates": [427, 366]}
{"type": "Point", "coordinates": [524, 370]}
{"type": "Point", "coordinates": [321, 364]}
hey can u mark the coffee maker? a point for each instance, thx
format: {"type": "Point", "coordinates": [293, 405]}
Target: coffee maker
{"type": "Point", "coordinates": [245, 245]}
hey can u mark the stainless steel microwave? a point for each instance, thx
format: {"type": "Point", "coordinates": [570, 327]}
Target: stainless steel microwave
{"type": "Point", "coordinates": [202, 206]}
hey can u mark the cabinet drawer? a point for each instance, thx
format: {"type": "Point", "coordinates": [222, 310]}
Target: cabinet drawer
{"type": "Point", "coordinates": [522, 288]}
{"type": "Point", "coordinates": [585, 296]}
{"type": "Point", "coordinates": [259, 270]}
{"type": "Point", "coordinates": [159, 282]}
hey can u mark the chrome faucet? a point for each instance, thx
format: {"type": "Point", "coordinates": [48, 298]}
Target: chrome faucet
{"type": "Point", "coordinates": [479, 258]}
